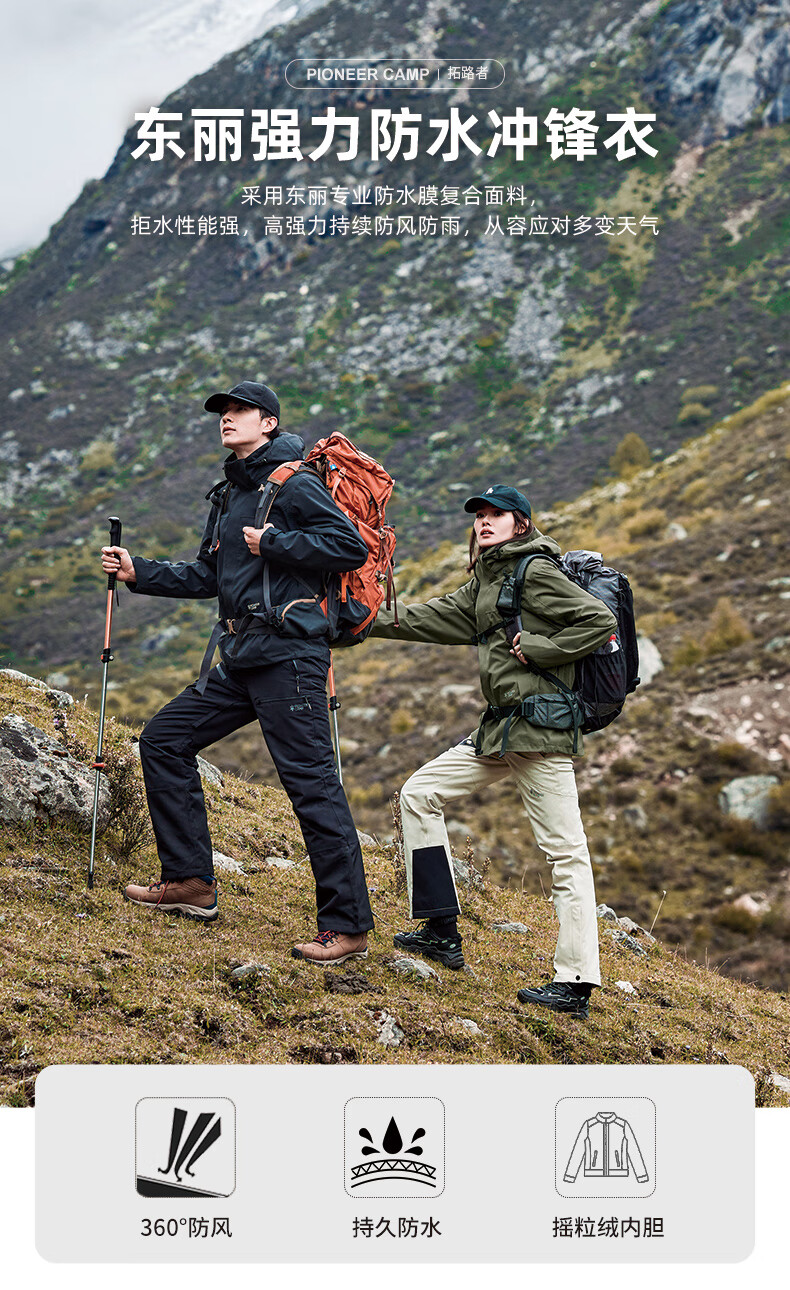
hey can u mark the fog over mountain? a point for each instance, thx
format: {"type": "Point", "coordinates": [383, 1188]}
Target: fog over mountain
{"type": "Point", "coordinates": [97, 63]}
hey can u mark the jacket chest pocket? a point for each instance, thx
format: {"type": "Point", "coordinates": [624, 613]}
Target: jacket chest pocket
{"type": "Point", "coordinates": [488, 625]}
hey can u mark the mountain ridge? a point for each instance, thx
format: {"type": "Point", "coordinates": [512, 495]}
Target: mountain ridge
{"type": "Point", "coordinates": [448, 358]}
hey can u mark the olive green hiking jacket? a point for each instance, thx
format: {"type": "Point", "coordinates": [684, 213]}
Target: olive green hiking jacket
{"type": "Point", "coordinates": [561, 622]}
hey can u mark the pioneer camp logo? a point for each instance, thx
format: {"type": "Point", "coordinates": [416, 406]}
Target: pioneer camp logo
{"type": "Point", "coordinates": [394, 1147]}
{"type": "Point", "coordinates": [185, 1146]}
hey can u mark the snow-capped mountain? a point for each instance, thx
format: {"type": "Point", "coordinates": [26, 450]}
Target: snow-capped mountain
{"type": "Point", "coordinates": [97, 64]}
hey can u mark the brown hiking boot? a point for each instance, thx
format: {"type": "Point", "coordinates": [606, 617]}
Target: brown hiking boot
{"type": "Point", "coordinates": [190, 896]}
{"type": "Point", "coordinates": [332, 947]}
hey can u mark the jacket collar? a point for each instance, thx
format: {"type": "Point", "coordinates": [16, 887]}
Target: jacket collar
{"type": "Point", "coordinates": [507, 554]}
{"type": "Point", "coordinates": [249, 472]}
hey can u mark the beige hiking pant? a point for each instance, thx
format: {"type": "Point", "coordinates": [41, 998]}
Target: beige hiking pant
{"type": "Point", "coordinates": [547, 785]}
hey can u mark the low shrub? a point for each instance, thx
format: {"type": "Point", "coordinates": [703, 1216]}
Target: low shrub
{"type": "Point", "coordinates": [624, 794]}
{"type": "Point", "coordinates": [779, 807]}
{"type": "Point", "coordinates": [624, 767]}
{"type": "Point", "coordinates": [699, 394]}
{"type": "Point", "coordinates": [771, 399]}
{"type": "Point", "coordinates": [736, 920]}
{"type": "Point", "coordinates": [727, 629]}
{"type": "Point", "coordinates": [402, 721]}
{"type": "Point", "coordinates": [696, 490]}
{"type": "Point", "coordinates": [693, 414]}
{"type": "Point", "coordinates": [646, 523]}
{"type": "Point", "coordinates": [727, 760]}
{"type": "Point", "coordinates": [98, 456]}
{"type": "Point", "coordinates": [630, 455]}
{"type": "Point", "coordinates": [513, 394]}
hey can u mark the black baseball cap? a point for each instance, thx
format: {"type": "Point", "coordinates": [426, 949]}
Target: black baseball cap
{"type": "Point", "coordinates": [252, 392]}
{"type": "Point", "coordinates": [503, 497]}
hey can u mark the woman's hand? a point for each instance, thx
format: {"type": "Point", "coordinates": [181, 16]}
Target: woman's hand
{"type": "Point", "coordinates": [516, 650]}
{"type": "Point", "coordinates": [116, 559]}
{"type": "Point", "coordinates": [253, 537]}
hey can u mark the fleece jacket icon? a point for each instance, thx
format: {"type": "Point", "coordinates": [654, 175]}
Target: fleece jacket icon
{"type": "Point", "coordinates": [607, 1147]}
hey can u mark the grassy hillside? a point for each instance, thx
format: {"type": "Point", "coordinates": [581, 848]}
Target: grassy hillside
{"type": "Point", "coordinates": [88, 978]}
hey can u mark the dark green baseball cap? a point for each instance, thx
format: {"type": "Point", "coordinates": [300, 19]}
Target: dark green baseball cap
{"type": "Point", "coordinates": [503, 497]}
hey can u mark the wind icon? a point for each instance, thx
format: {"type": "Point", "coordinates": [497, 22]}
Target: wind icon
{"type": "Point", "coordinates": [185, 1147]}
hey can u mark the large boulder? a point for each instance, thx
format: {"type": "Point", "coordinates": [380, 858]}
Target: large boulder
{"type": "Point", "coordinates": [58, 698]}
{"type": "Point", "coordinates": [748, 798]}
{"type": "Point", "coordinates": [40, 780]}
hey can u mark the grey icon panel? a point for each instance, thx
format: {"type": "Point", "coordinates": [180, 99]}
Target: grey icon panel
{"type": "Point", "coordinates": [406, 1164]}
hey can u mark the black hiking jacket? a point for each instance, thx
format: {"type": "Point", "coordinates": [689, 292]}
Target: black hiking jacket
{"type": "Point", "coordinates": [310, 537]}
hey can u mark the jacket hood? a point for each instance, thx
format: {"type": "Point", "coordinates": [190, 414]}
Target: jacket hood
{"type": "Point", "coordinates": [509, 553]}
{"type": "Point", "coordinates": [249, 472]}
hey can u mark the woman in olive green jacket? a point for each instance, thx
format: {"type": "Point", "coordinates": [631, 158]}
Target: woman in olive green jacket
{"type": "Point", "coordinates": [560, 624]}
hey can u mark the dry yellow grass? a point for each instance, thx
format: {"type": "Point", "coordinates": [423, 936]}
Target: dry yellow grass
{"type": "Point", "coordinates": [87, 978]}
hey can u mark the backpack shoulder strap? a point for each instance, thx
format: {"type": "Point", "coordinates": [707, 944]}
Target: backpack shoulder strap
{"type": "Point", "coordinates": [269, 492]}
{"type": "Point", "coordinates": [509, 600]}
{"type": "Point", "coordinates": [271, 488]}
{"type": "Point", "coordinates": [218, 496]}
{"type": "Point", "coordinates": [217, 492]}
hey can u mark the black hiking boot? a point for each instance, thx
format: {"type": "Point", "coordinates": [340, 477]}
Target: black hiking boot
{"type": "Point", "coordinates": [560, 996]}
{"type": "Point", "coordinates": [428, 943]}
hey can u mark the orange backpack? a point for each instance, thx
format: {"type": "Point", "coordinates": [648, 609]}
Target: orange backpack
{"type": "Point", "coordinates": [361, 489]}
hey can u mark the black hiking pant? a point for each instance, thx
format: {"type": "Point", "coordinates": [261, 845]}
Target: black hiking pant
{"type": "Point", "coordinates": [289, 701]}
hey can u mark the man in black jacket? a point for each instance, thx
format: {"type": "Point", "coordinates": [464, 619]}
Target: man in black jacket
{"type": "Point", "coordinates": [274, 657]}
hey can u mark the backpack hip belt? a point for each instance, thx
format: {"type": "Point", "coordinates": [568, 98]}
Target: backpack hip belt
{"type": "Point", "coordinates": [560, 711]}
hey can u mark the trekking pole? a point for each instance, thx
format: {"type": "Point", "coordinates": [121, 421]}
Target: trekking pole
{"type": "Point", "coordinates": [106, 658]}
{"type": "Point", "coordinates": [334, 704]}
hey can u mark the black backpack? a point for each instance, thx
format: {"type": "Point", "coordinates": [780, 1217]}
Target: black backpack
{"type": "Point", "coordinates": [606, 677]}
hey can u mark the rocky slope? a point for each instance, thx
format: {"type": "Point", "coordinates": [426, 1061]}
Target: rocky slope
{"type": "Point", "coordinates": [456, 360]}
{"type": "Point", "coordinates": [85, 978]}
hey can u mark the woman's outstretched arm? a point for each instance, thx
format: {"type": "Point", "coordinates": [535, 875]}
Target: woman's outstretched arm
{"type": "Point", "coordinates": [445, 620]}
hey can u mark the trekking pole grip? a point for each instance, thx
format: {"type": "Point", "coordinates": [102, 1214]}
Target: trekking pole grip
{"type": "Point", "coordinates": [115, 540]}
